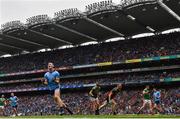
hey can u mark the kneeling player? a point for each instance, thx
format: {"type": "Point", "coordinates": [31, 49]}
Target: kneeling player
{"type": "Point", "coordinates": [157, 100]}
{"type": "Point", "coordinates": [52, 79]}
{"type": "Point", "coordinates": [110, 98]}
{"type": "Point", "coordinates": [94, 93]}
{"type": "Point", "coordinates": [146, 100]}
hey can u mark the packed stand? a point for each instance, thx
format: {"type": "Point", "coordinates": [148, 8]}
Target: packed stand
{"type": "Point", "coordinates": [127, 103]}
{"type": "Point", "coordinates": [105, 80]}
{"type": "Point", "coordinates": [160, 45]}
{"type": "Point", "coordinates": [20, 86]}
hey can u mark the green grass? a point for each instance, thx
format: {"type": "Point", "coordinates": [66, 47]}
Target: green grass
{"type": "Point", "coordinates": [97, 116]}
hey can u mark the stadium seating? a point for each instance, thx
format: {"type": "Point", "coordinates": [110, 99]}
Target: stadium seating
{"type": "Point", "coordinates": [108, 80]}
{"type": "Point", "coordinates": [159, 45]}
{"type": "Point", "coordinates": [128, 103]}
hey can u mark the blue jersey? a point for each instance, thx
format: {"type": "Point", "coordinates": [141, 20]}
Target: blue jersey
{"type": "Point", "coordinates": [51, 76]}
{"type": "Point", "coordinates": [13, 101]}
{"type": "Point", "coordinates": [157, 96]}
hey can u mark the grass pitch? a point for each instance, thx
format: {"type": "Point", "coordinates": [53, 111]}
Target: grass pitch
{"type": "Point", "coordinates": [131, 116]}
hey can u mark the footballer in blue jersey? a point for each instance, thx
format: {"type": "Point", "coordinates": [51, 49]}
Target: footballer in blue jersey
{"type": "Point", "coordinates": [52, 79]}
{"type": "Point", "coordinates": [14, 103]}
{"type": "Point", "coordinates": [157, 100]}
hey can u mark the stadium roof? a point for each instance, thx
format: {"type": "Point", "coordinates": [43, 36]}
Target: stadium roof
{"type": "Point", "coordinates": [129, 18]}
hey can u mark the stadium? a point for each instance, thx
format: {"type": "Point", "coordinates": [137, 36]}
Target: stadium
{"type": "Point", "coordinates": [117, 61]}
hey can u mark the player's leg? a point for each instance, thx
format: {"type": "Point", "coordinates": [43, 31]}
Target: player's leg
{"type": "Point", "coordinates": [142, 107]}
{"type": "Point", "coordinates": [15, 110]}
{"type": "Point", "coordinates": [91, 105]}
{"type": "Point", "coordinates": [150, 106]}
{"type": "Point", "coordinates": [4, 112]}
{"type": "Point", "coordinates": [106, 102]}
{"type": "Point", "coordinates": [59, 101]}
{"type": "Point", "coordinates": [159, 108]}
{"type": "Point", "coordinates": [97, 106]}
{"type": "Point", "coordinates": [1, 110]}
{"type": "Point", "coordinates": [113, 106]}
{"type": "Point", "coordinates": [154, 106]}
{"type": "Point", "coordinates": [94, 105]}
{"type": "Point", "coordinates": [103, 105]}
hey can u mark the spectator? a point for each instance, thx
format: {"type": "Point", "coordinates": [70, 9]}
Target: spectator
{"type": "Point", "coordinates": [79, 103]}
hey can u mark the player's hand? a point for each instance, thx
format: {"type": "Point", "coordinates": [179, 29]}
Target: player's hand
{"type": "Point", "coordinates": [92, 95]}
{"type": "Point", "coordinates": [5, 104]}
{"type": "Point", "coordinates": [44, 81]}
{"type": "Point", "coordinates": [57, 80]}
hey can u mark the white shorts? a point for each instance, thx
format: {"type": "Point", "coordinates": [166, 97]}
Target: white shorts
{"type": "Point", "coordinates": [93, 99]}
{"type": "Point", "coordinates": [147, 101]}
{"type": "Point", "coordinates": [1, 107]}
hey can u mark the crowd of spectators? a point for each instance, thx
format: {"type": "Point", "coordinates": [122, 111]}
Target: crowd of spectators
{"type": "Point", "coordinates": [20, 86]}
{"type": "Point", "coordinates": [128, 102]}
{"type": "Point", "coordinates": [108, 80]}
{"type": "Point", "coordinates": [105, 80]}
{"type": "Point", "coordinates": [159, 45]}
